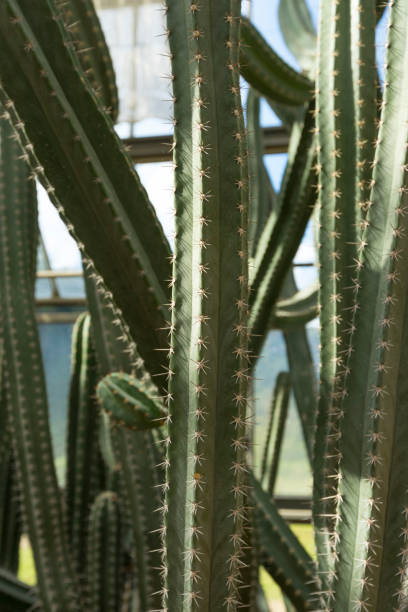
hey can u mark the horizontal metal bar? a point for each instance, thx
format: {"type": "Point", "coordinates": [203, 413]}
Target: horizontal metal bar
{"type": "Point", "coordinates": [57, 317]}
{"type": "Point", "coordinates": [59, 273]}
{"type": "Point", "coordinates": [59, 301]}
{"type": "Point", "coordinates": [150, 149]}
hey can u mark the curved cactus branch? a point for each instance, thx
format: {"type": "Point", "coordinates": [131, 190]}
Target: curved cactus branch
{"type": "Point", "coordinates": [275, 431]}
{"type": "Point", "coordinates": [299, 32]}
{"type": "Point", "coordinates": [25, 387]}
{"type": "Point", "coordinates": [79, 159]}
{"type": "Point", "coordinates": [89, 44]}
{"type": "Point", "coordinates": [268, 73]}
{"type": "Point", "coordinates": [15, 596]}
{"type": "Point", "coordinates": [282, 555]}
{"type": "Point", "coordinates": [281, 237]}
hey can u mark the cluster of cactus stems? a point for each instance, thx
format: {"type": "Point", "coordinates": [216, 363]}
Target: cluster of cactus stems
{"type": "Point", "coordinates": [164, 507]}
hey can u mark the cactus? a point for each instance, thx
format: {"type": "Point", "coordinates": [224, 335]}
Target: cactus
{"type": "Point", "coordinates": [281, 553]}
{"type": "Point", "coordinates": [104, 554]}
{"type": "Point", "coordinates": [15, 596]}
{"type": "Point", "coordinates": [205, 476]}
{"type": "Point", "coordinates": [84, 473]}
{"type": "Point", "coordinates": [275, 431]}
{"type": "Point", "coordinates": [99, 201]}
{"type": "Point", "coordinates": [299, 32]}
{"type": "Point", "coordinates": [185, 488]}
{"type": "Point", "coordinates": [127, 402]}
{"type": "Point", "coordinates": [25, 386]}
{"type": "Point", "coordinates": [136, 454]}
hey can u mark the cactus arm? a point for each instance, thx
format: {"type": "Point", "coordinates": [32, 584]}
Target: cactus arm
{"type": "Point", "coordinates": [10, 518]}
{"type": "Point", "coordinates": [296, 311]}
{"type": "Point", "coordinates": [372, 498]}
{"type": "Point", "coordinates": [346, 86]}
{"type": "Point", "coordinates": [281, 237]}
{"type": "Point", "coordinates": [15, 596]}
{"type": "Point", "coordinates": [84, 475]}
{"type": "Point", "coordinates": [275, 431]}
{"type": "Point", "coordinates": [104, 554]}
{"type": "Point", "coordinates": [299, 32]}
{"type": "Point", "coordinates": [26, 394]}
{"type": "Point", "coordinates": [268, 73]}
{"type": "Point", "coordinates": [259, 183]}
{"type": "Point", "coordinates": [135, 452]}
{"type": "Point", "coordinates": [282, 555]}
{"type": "Point", "coordinates": [128, 402]}
{"type": "Point", "coordinates": [92, 183]}
{"type": "Point", "coordinates": [203, 543]}
{"type": "Point", "coordinates": [303, 378]}
{"type": "Point", "coordinates": [93, 53]}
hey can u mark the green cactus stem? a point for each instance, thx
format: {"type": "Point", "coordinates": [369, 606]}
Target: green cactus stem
{"type": "Point", "coordinates": [296, 311]}
{"type": "Point", "coordinates": [88, 41]}
{"type": "Point", "coordinates": [84, 473]}
{"type": "Point", "coordinates": [15, 596]}
{"type": "Point", "coordinates": [127, 402]}
{"type": "Point", "coordinates": [268, 73]}
{"type": "Point", "coordinates": [275, 431]}
{"type": "Point", "coordinates": [281, 236]}
{"type": "Point", "coordinates": [205, 485]}
{"type": "Point", "coordinates": [25, 387]}
{"type": "Point", "coordinates": [346, 93]}
{"type": "Point", "coordinates": [370, 547]}
{"type": "Point", "coordinates": [104, 554]}
{"type": "Point", "coordinates": [75, 153]}
{"type": "Point", "coordinates": [299, 33]}
{"type": "Point", "coordinates": [281, 554]}
{"type": "Point", "coordinates": [136, 454]}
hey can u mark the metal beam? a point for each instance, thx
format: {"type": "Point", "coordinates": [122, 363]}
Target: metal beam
{"type": "Point", "coordinates": [151, 149]}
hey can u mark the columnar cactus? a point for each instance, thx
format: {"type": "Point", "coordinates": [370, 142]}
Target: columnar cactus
{"type": "Point", "coordinates": [184, 523]}
{"type": "Point", "coordinates": [205, 487]}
